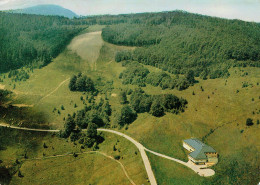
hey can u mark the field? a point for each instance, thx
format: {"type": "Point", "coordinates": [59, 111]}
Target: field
{"type": "Point", "coordinates": [217, 115]}
{"type": "Point", "coordinates": [93, 168]}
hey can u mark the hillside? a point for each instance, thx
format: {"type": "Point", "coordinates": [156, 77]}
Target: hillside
{"type": "Point", "coordinates": [159, 78]}
{"type": "Point", "coordinates": [178, 41]}
{"type": "Point", "coordinates": [54, 10]}
{"type": "Point", "coordinates": [32, 40]}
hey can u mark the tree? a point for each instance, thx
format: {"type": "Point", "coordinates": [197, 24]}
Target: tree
{"type": "Point", "coordinates": [169, 102]}
{"type": "Point", "coordinates": [122, 97]}
{"type": "Point", "coordinates": [3, 95]}
{"type": "Point", "coordinates": [125, 116]}
{"type": "Point", "coordinates": [81, 83]}
{"type": "Point", "coordinates": [16, 52]}
{"type": "Point", "coordinates": [190, 76]}
{"type": "Point", "coordinates": [249, 122]}
{"type": "Point", "coordinates": [114, 148]}
{"type": "Point", "coordinates": [93, 116]}
{"type": "Point", "coordinates": [106, 108]}
{"type": "Point", "coordinates": [72, 84]}
{"type": "Point", "coordinates": [157, 108]}
{"type": "Point", "coordinates": [44, 145]}
{"type": "Point", "coordinates": [20, 174]}
{"type": "Point", "coordinates": [140, 101]}
{"type": "Point", "coordinates": [89, 86]}
{"type": "Point", "coordinates": [91, 136]}
{"type": "Point", "coordinates": [92, 130]}
{"type": "Point", "coordinates": [69, 126]}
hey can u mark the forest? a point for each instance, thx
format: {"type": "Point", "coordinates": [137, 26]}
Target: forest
{"type": "Point", "coordinates": [32, 40]}
{"type": "Point", "coordinates": [173, 41]}
{"type": "Point", "coordinates": [136, 74]}
{"type": "Point", "coordinates": [179, 41]}
{"type": "Point", "coordinates": [3, 96]}
{"type": "Point", "coordinates": [156, 105]}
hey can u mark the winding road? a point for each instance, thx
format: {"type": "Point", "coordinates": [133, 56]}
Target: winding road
{"type": "Point", "coordinates": [199, 169]}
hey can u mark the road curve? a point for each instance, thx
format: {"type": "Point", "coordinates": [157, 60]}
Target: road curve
{"type": "Point", "coordinates": [201, 170]}
{"type": "Point", "coordinates": [141, 148]}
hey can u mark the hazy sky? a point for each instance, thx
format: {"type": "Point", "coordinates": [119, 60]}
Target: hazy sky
{"type": "Point", "coordinates": [248, 10]}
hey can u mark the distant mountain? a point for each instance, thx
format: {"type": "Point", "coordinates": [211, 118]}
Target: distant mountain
{"type": "Point", "coordinates": [47, 10]}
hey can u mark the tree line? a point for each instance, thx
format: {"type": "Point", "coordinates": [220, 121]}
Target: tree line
{"type": "Point", "coordinates": [32, 39]}
{"type": "Point", "coordinates": [156, 105]}
{"type": "Point", "coordinates": [81, 83]}
{"type": "Point", "coordinates": [3, 96]}
{"type": "Point", "coordinates": [179, 41]}
{"type": "Point", "coordinates": [137, 74]}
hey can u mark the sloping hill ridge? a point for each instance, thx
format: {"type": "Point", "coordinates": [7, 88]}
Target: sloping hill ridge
{"type": "Point", "coordinates": [47, 10]}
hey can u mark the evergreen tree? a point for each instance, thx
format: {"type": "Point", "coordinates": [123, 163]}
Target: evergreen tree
{"type": "Point", "coordinates": [72, 84]}
{"type": "Point", "coordinates": [190, 76]}
{"type": "Point", "coordinates": [106, 108]}
{"type": "Point", "coordinates": [249, 122]}
{"type": "Point", "coordinates": [125, 116]}
{"type": "Point", "coordinates": [157, 108]}
{"type": "Point", "coordinates": [92, 130]}
{"type": "Point", "coordinates": [122, 97]}
{"type": "Point", "coordinates": [69, 126]}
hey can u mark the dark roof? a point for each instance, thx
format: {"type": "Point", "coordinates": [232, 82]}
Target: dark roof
{"type": "Point", "coordinates": [199, 148]}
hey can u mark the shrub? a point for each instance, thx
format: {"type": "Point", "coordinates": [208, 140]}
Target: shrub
{"type": "Point", "coordinates": [117, 157]}
{"type": "Point", "coordinates": [114, 148]}
{"type": "Point", "coordinates": [44, 145]}
{"type": "Point", "coordinates": [20, 174]}
{"type": "Point", "coordinates": [249, 122]}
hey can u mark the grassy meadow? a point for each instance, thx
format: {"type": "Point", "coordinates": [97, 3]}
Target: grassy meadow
{"type": "Point", "coordinates": [92, 168]}
{"type": "Point", "coordinates": [216, 114]}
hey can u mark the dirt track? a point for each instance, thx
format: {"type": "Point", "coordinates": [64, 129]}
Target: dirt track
{"type": "Point", "coordinates": [198, 169]}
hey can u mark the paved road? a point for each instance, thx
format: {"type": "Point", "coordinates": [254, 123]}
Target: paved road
{"type": "Point", "coordinates": [141, 148]}
{"type": "Point", "coordinates": [28, 129]}
{"type": "Point", "coordinates": [198, 169]}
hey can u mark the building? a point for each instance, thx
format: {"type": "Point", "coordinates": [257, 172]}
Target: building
{"type": "Point", "coordinates": [200, 153]}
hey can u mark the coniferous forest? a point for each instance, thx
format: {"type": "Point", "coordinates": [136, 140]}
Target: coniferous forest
{"type": "Point", "coordinates": [173, 41]}
{"type": "Point", "coordinates": [27, 39]}
{"type": "Point", "coordinates": [178, 42]}
{"type": "Point", "coordinates": [120, 91]}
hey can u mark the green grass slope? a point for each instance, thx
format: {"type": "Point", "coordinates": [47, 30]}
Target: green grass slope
{"type": "Point", "coordinates": [89, 168]}
{"type": "Point", "coordinates": [216, 113]}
